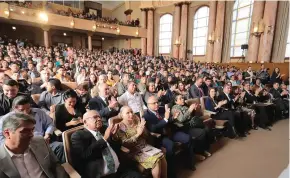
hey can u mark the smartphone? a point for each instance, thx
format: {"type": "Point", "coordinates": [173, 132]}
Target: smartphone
{"type": "Point", "coordinates": [166, 106]}
{"type": "Point", "coordinates": [75, 119]}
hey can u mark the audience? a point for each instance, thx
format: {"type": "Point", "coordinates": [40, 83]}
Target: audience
{"type": "Point", "coordinates": [152, 88]}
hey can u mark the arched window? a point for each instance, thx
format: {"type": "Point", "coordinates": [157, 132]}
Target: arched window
{"type": "Point", "coordinates": [287, 54]}
{"type": "Point", "coordinates": [200, 30]}
{"type": "Point", "coordinates": [165, 34]}
{"type": "Point", "coordinates": [242, 14]}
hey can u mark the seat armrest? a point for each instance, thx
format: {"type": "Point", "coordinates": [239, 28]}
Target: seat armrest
{"type": "Point", "coordinates": [157, 135]}
{"type": "Point", "coordinates": [125, 150]}
{"type": "Point", "coordinates": [70, 171]}
{"type": "Point", "coordinates": [210, 112]}
{"type": "Point", "coordinates": [58, 132]}
{"type": "Point", "coordinates": [178, 125]}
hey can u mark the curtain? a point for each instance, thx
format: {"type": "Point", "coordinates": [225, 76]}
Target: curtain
{"type": "Point", "coordinates": [227, 32]}
{"type": "Point", "coordinates": [281, 32]}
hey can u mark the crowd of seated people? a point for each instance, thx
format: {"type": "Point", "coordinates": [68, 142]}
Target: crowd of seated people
{"type": "Point", "coordinates": [81, 14]}
{"type": "Point", "coordinates": [150, 97]}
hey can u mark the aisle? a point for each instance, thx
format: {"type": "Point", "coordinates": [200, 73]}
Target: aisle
{"type": "Point", "coordinates": [263, 154]}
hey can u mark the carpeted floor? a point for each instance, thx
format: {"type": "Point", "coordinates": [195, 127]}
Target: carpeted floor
{"type": "Point", "coordinates": [263, 154]}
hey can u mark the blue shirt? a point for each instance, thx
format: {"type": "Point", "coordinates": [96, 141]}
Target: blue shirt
{"type": "Point", "coordinates": [44, 124]}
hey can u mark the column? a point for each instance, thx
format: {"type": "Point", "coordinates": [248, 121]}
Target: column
{"type": "Point", "coordinates": [150, 31]}
{"type": "Point", "coordinates": [219, 28]}
{"type": "Point", "coordinates": [46, 43]}
{"type": "Point", "coordinates": [211, 27]}
{"type": "Point", "coordinates": [183, 30]}
{"type": "Point", "coordinates": [143, 25]}
{"type": "Point", "coordinates": [90, 41]}
{"type": "Point", "coordinates": [254, 41]}
{"type": "Point", "coordinates": [45, 35]}
{"type": "Point", "coordinates": [128, 13]}
{"type": "Point", "coordinates": [266, 40]}
{"type": "Point", "coordinates": [176, 29]}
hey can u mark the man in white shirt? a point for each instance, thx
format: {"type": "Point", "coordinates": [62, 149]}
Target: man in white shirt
{"type": "Point", "coordinates": [25, 156]}
{"type": "Point", "coordinates": [132, 99]}
{"type": "Point", "coordinates": [94, 152]}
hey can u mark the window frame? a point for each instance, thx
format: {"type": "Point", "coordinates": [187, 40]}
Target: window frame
{"type": "Point", "coordinates": [196, 28]}
{"type": "Point", "coordinates": [166, 38]}
{"type": "Point", "coordinates": [235, 22]}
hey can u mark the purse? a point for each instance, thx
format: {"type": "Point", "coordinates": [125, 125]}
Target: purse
{"type": "Point", "coordinates": [195, 122]}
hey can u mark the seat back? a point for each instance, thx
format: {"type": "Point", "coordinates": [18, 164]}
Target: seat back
{"type": "Point", "coordinates": [35, 80]}
{"type": "Point", "coordinates": [116, 78]}
{"type": "Point", "coordinates": [66, 137]}
{"type": "Point", "coordinates": [198, 111]}
{"type": "Point", "coordinates": [202, 102]}
{"type": "Point", "coordinates": [69, 85]}
{"type": "Point", "coordinates": [35, 98]}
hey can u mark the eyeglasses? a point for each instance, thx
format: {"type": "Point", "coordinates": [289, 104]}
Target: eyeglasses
{"type": "Point", "coordinates": [153, 102]}
{"type": "Point", "coordinates": [95, 117]}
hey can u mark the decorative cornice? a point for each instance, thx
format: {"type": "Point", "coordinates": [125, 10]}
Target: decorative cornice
{"type": "Point", "coordinates": [185, 2]}
{"type": "Point", "coordinates": [128, 11]}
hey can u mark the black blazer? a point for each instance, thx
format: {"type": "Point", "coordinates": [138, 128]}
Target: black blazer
{"type": "Point", "coordinates": [85, 149]}
{"type": "Point", "coordinates": [230, 104]}
{"type": "Point", "coordinates": [99, 105]}
{"type": "Point", "coordinates": [250, 98]}
{"type": "Point", "coordinates": [276, 93]}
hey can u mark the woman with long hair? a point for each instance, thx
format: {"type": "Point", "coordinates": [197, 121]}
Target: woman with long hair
{"type": "Point", "coordinates": [67, 115]}
{"type": "Point", "coordinates": [276, 76]}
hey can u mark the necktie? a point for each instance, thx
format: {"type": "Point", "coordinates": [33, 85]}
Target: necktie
{"type": "Point", "coordinates": [158, 116]}
{"type": "Point", "coordinates": [200, 92]}
{"type": "Point", "coordinates": [107, 156]}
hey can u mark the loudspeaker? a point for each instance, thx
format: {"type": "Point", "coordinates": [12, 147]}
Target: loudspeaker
{"type": "Point", "coordinates": [244, 46]}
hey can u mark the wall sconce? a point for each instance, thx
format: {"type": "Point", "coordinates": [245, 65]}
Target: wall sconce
{"type": "Point", "coordinates": [250, 62]}
{"type": "Point", "coordinates": [72, 24]}
{"type": "Point", "coordinates": [177, 42]}
{"type": "Point", "coordinates": [137, 33]}
{"type": "Point", "coordinates": [258, 29]}
{"type": "Point", "coordinates": [94, 27]}
{"type": "Point", "coordinates": [211, 38]}
{"type": "Point", "coordinates": [118, 30]}
{"type": "Point", "coordinates": [43, 17]}
{"type": "Point", "coordinates": [6, 12]}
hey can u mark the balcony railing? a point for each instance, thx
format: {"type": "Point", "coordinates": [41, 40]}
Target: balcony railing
{"type": "Point", "coordinates": [30, 15]}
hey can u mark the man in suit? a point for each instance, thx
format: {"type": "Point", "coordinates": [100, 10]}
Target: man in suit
{"type": "Point", "coordinates": [161, 125]}
{"type": "Point", "coordinates": [195, 90]}
{"type": "Point", "coordinates": [206, 85]}
{"type": "Point", "coordinates": [105, 108]}
{"type": "Point", "coordinates": [264, 112]}
{"type": "Point", "coordinates": [281, 105]}
{"type": "Point", "coordinates": [94, 153]}
{"type": "Point", "coordinates": [239, 123]}
{"type": "Point", "coordinates": [23, 155]}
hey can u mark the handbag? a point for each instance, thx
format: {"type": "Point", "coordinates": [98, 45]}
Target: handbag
{"type": "Point", "coordinates": [195, 122]}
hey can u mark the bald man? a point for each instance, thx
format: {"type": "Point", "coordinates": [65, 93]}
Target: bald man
{"type": "Point", "coordinates": [158, 123]}
{"type": "Point", "coordinates": [94, 152]}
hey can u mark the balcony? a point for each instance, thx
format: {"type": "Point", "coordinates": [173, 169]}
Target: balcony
{"type": "Point", "coordinates": [31, 17]}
